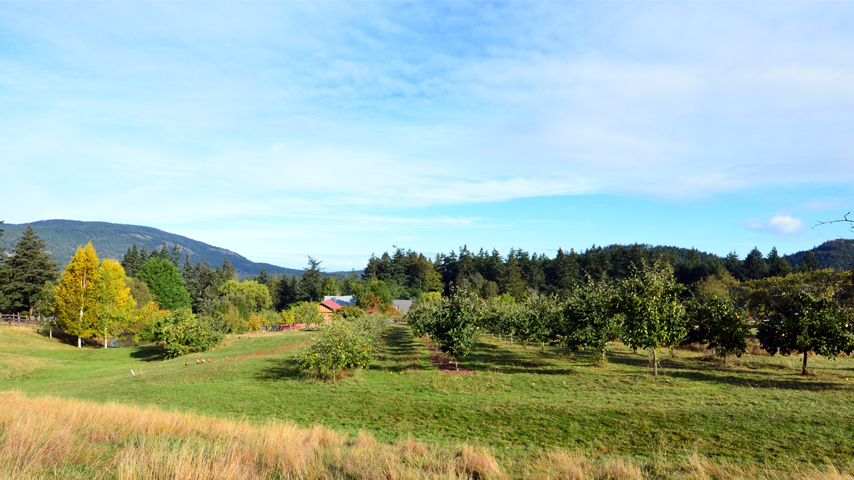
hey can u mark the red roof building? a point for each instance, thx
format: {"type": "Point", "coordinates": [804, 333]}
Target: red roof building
{"type": "Point", "coordinates": [327, 309]}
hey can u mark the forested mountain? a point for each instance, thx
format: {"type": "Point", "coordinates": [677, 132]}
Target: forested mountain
{"type": "Point", "coordinates": [111, 240]}
{"type": "Point", "coordinates": [838, 254]}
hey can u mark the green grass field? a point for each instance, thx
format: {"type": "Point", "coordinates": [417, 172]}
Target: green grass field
{"type": "Point", "coordinates": [518, 402]}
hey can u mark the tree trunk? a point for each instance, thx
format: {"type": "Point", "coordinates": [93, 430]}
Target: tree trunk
{"type": "Point", "coordinates": [457, 365]}
{"type": "Point", "coordinates": [654, 363]}
{"type": "Point", "coordinates": [79, 342]}
{"type": "Point", "coordinates": [804, 371]}
{"type": "Point", "coordinates": [105, 337]}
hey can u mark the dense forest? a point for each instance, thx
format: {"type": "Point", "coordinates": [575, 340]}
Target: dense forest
{"type": "Point", "coordinates": [408, 274]}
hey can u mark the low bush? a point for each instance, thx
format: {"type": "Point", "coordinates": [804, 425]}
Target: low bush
{"type": "Point", "coordinates": [343, 345]}
{"type": "Point", "coordinates": [180, 333]}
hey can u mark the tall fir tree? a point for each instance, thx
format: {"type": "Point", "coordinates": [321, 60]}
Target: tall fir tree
{"type": "Point", "coordinates": [26, 272]}
{"type": "Point", "coordinates": [227, 272]}
{"type": "Point", "coordinates": [809, 263]}
{"type": "Point", "coordinates": [132, 261]}
{"type": "Point", "coordinates": [755, 266]}
{"type": "Point", "coordinates": [175, 256]}
{"type": "Point", "coordinates": [777, 265]}
{"type": "Point", "coordinates": [288, 292]}
{"type": "Point", "coordinates": [311, 283]}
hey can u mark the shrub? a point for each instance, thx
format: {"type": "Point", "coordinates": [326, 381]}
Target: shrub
{"type": "Point", "coordinates": [307, 312]}
{"type": "Point", "coordinates": [180, 333]}
{"type": "Point", "coordinates": [343, 345]}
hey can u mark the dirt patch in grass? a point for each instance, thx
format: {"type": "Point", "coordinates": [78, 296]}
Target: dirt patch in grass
{"type": "Point", "coordinates": [441, 361]}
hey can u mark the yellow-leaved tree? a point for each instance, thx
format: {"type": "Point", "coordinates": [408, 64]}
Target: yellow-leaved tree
{"type": "Point", "coordinates": [114, 305]}
{"type": "Point", "coordinates": [76, 295]}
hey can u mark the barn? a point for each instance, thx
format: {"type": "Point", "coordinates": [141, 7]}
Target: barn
{"type": "Point", "coordinates": [327, 309]}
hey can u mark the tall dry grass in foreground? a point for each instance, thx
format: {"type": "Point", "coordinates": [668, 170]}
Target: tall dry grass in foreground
{"type": "Point", "coordinates": [49, 438]}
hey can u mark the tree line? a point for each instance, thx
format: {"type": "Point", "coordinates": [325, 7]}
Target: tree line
{"type": "Point", "coordinates": [408, 274]}
{"type": "Point", "coordinates": [650, 309]}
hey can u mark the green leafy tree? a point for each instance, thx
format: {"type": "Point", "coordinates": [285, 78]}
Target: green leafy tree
{"type": "Point", "coordinates": [114, 305]}
{"type": "Point", "coordinates": [590, 319]}
{"type": "Point", "coordinates": [76, 295]}
{"type": "Point", "coordinates": [26, 272]}
{"type": "Point", "coordinates": [180, 332]}
{"type": "Point", "coordinates": [344, 344]}
{"type": "Point", "coordinates": [139, 291]}
{"type": "Point", "coordinates": [307, 312]}
{"type": "Point", "coordinates": [453, 323]}
{"type": "Point", "coordinates": [653, 314]}
{"type": "Point", "coordinates": [165, 283]}
{"type": "Point", "coordinates": [803, 321]}
{"type": "Point", "coordinates": [257, 296]}
{"type": "Point", "coordinates": [718, 323]}
{"type": "Point", "coordinates": [374, 296]}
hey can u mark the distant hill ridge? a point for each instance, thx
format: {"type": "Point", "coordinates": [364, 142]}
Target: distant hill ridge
{"type": "Point", "coordinates": [838, 254]}
{"type": "Point", "coordinates": [111, 240]}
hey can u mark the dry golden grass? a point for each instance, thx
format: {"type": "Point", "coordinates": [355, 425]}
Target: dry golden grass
{"type": "Point", "coordinates": [50, 438]}
{"type": "Point", "coordinates": [56, 438]}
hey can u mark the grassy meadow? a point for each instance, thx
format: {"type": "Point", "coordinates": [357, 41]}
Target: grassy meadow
{"type": "Point", "coordinates": [517, 413]}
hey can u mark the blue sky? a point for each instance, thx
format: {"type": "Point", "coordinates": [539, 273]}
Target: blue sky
{"type": "Point", "coordinates": [336, 130]}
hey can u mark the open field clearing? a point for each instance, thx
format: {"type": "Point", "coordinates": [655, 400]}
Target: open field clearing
{"type": "Point", "coordinates": [523, 413]}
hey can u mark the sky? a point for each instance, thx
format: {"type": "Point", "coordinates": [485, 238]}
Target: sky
{"type": "Point", "coordinates": [343, 129]}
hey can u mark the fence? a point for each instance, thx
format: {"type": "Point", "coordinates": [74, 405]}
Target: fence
{"type": "Point", "coordinates": [18, 320]}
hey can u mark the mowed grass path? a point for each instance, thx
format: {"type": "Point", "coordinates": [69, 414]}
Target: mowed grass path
{"type": "Point", "coordinates": [518, 403]}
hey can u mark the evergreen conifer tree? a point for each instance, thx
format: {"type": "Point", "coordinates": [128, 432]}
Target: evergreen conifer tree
{"type": "Point", "coordinates": [809, 263]}
{"type": "Point", "coordinates": [755, 267]}
{"type": "Point", "coordinates": [26, 272]}
{"type": "Point", "coordinates": [777, 265]}
{"type": "Point", "coordinates": [311, 283]}
{"type": "Point", "coordinates": [131, 261]}
{"type": "Point", "coordinates": [227, 272]}
{"type": "Point", "coordinates": [175, 255]}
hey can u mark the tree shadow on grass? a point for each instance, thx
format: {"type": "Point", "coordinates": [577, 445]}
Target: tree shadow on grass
{"type": "Point", "coordinates": [488, 356]}
{"type": "Point", "coordinates": [767, 380]}
{"type": "Point", "coordinates": [279, 369]}
{"type": "Point", "coordinates": [148, 353]}
{"type": "Point", "coordinates": [400, 345]}
{"type": "Point", "coordinates": [687, 369]}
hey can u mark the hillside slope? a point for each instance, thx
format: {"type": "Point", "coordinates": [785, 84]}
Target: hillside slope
{"type": "Point", "coordinates": [111, 240]}
{"type": "Point", "coordinates": [838, 254]}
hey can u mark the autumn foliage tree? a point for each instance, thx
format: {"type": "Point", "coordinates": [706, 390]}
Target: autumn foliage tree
{"type": "Point", "coordinates": [76, 296]}
{"type": "Point", "coordinates": [114, 305]}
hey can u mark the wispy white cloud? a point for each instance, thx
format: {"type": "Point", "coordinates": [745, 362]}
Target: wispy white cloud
{"type": "Point", "coordinates": [777, 225]}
